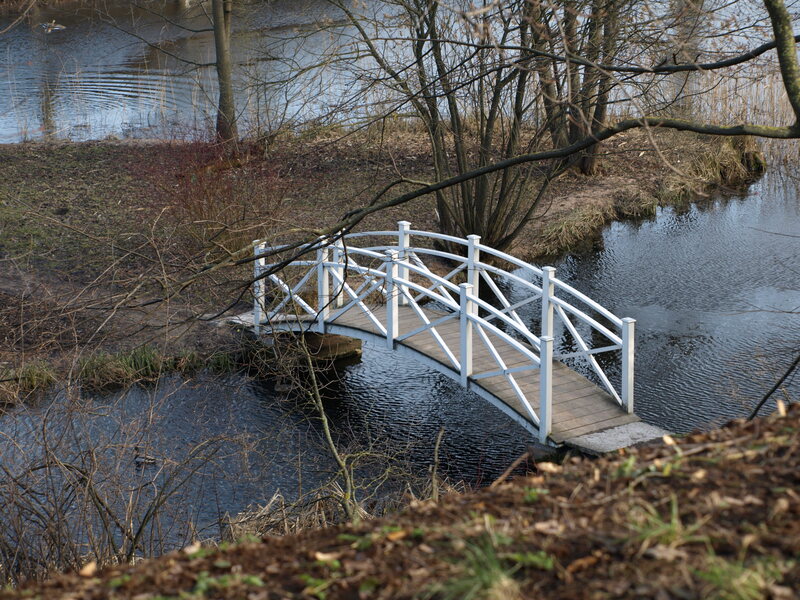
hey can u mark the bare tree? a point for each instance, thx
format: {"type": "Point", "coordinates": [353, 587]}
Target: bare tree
{"type": "Point", "coordinates": [226, 106]}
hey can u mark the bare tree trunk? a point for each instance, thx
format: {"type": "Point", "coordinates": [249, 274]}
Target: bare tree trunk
{"type": "Point", "coordinates": [226, 107]}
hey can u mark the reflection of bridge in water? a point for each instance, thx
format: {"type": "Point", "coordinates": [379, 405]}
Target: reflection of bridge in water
{"type": "Point", "coordinates": [386, 291]}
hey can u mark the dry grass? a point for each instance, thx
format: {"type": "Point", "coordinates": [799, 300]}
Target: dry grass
{"type": "Point", "coordinates": [659, 521]}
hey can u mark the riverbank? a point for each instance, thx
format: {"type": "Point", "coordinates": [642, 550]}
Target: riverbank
{"type": "Point", "coordinates": [100, 239]}
{"type": "Point", "coordinates": [713, 514]}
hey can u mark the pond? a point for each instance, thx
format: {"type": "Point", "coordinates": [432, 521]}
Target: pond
{"type": "Point", "coordinates": [101, 75]}
{"type": "Point", "coordinates": [715, 289]}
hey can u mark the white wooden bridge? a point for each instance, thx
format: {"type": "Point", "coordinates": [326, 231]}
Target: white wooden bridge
{"type": "Point", "coordinates": [382, 285]}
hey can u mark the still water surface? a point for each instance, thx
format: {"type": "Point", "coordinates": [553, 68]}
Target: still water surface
{"type": "Point", "coordinates": [715, 290]}
{"type": "Point", "coordinates": [101, 76]}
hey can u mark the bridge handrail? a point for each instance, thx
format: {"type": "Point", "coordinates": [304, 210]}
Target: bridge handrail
{"type": "Point", "coordinates": [392, 278]}
{"type": "Point", "coordinates": [372, 252]}
{"type": "Point", "coordinates": [587, 319]}
{"type": "Point", "coordinates": [508, 321]}
{"type": "Point", "coordinates": [588, 301]}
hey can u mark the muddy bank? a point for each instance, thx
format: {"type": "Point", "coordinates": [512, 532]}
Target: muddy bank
{"type": "Point", "coordinates": [709, 515]}
{"type": "Point", "coordinates": [100, 239]}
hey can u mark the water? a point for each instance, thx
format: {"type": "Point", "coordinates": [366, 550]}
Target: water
{"type": "Point", "coordinates": [715, 290]}
{"type": "Point", "coordinates": [716, 293]}
{"type": "Point", "coordinates": [101, 76]}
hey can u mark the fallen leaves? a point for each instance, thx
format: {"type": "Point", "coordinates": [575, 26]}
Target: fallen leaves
{"type": "Point", "coordinates": [706, 516]}
{"type": "Point", "coordinates": [89, 569]}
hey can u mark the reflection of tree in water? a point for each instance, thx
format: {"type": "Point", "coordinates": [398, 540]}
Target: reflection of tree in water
{"type": "Point", "coordinates": [47, 105]}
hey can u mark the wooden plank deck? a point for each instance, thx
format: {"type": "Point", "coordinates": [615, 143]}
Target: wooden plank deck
{"type": "Point", "coordinates": [579, 406]}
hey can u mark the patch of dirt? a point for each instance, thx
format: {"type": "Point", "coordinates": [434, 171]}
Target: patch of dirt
{"type": "Point", "coordinates": [711, 515]}
{"type": "Point", "coordinates": [109, 243]}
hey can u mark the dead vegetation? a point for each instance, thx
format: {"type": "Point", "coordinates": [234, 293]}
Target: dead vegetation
{"type": "Point", "coordinates": [711, 515]}
{"type": "Point", "coordinates": [100, 239]}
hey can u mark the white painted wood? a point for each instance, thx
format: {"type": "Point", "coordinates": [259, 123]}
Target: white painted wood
{"type": "Point", "coordinates": [338, 273]}
{"type": "Point", "coordinates": [548, 290]}
{"type": "Point", "coordinates": [401, 277]}
{"type": "Point", "coordinates": [259, 289]}
{"type": "Point", "coordinates": [291, 293]}
{"type": "Point", "coordinates": [403, 243]}
{"type": "Point", "coordinates": [392, 322]}
{"type": "Point", "coordinates": [546, 388]}
{"type": "Point", "coordinates": [431, 327]}
{"type": "Point", "coordinates": [473, 269]}
{"type": "Point", "coordinates": [584, 348]}
{"type": "Point", "coordinates": [465, 331]}
{"type": "Point", "coordinates": [323, 289]}
{"type": "Point", "coordinates": [628, 329]}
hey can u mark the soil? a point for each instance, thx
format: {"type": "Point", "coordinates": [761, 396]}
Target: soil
{"type": "Point", "coordinates": [711, 515]}
{"type": "Point", "coordinates": [106, 244]}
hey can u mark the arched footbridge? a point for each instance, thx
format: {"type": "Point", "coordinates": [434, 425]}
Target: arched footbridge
{"type": "Point", "coordinates": [480, 316]}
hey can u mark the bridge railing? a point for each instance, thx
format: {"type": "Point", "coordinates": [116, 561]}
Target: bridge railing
{"type": "Point", "coordinates": [391, 272]}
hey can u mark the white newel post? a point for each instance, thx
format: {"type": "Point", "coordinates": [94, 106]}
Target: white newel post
{"type": "Point", "coordinates": [548, 290]}
{"type": "Point", "coordinates": [258, 286]}
{"type": "Point", "coordinates": [546, 388]}
{"type": "Point", "coordinates": [403, 243]}
{"type": "Point", "coordinates": [392, 320]}
{"type": "Point", "coordinates": [338, 283]}
{"type": "Point", "coordinates": [546, 356]}
{"type": "Point", "coordinates": [473, 271]}
{"type": "Point", "coordinates": [628, 327]}
{"type": "Point", "coordinates": [466, 309]}
{"type": "Point", "coordinates": [323, 288]}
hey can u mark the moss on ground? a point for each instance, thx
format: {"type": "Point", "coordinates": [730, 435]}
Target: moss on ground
{"type": "Point", "coordinates": [710, 515]}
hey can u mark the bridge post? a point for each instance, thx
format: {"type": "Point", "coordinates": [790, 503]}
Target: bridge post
{"type": "Point", "coordinates": [403, 243]}
{"type": "Point", "coordinates": [338, 255]}
{"type": "Point", "coordinates": [546, 356]}
{"type": "Point", "coordinates": [473, 272]}
{"type": "Point", "coordinates": [258, 286]}
{"type": "Point", "coordinates": [466, 309]}
{"type": "Point", "coordinates": [545, 388]}
{"type": "Point", "coordinates": [323, 288]}
{"type": "Point", "coordinates": [628, 327]}
{"type": "Point", "coordinates": [548, 291]}
{"type": "Point", "coordinates": [392, 316]}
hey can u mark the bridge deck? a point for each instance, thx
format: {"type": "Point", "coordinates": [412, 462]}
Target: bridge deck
{"type": "Point", "coordinates": [579, 406]}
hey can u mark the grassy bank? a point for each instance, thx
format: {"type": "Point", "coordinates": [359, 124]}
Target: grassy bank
{"type": "Point", "coordinates": [712, 515]}
{"type": "Point", "coordinates": [99, 239]}
{"type": "Point", "coordinates": [105, 372]}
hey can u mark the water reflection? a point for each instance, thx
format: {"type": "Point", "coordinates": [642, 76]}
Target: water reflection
{"type": "Point", "coordinates": [713, 289]}
{"type": "Point", "coordinates": [107, 73]}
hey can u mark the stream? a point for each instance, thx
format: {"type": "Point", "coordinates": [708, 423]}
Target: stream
{"type": "Point", "coordinates": [714, 287]}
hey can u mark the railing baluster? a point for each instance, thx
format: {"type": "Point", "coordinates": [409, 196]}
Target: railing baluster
{"type": "Point", "coordinates": [545, 388]}
{"type": "Point", "coordinates": [258, 286]}
{"type": "Point", "coordinates": [403, 243]}
{"type": "Point", "coordinates": [338, 258]}
{"type": "Point", "coordinates": [323, 288]}
{"type": "Point", "coordinates": [546, 356]}
{"type": "Point", "coordinates": [628, 327]}
{"type": "Point", "coordinates": [466, 309]}
{"type": "Point", "coordinates": [392, 316]}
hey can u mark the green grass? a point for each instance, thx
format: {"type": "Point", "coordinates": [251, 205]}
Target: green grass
{"type": "Point", "coordinates": [735, 580]}
{"type": "Point", "coordinates": [652, 528]}
{"type": "Point", "coordinates": [484, 575]}
{"type": "Point", "coordinates": [104, 372]}
{"type": "Point", "coordinates": [32, 378]}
